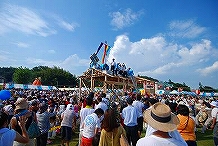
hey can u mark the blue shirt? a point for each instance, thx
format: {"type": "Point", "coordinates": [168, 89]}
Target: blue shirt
{"type": "Point", "coordinates": [130, 115]}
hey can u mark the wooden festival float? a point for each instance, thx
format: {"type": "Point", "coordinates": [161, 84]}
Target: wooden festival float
{"type": "Point", "coordinates": [92, 75]}
{"type": "Point", "coordinates": [96, 74]}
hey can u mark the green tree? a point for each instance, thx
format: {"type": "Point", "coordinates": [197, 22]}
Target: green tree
{"type": "Point", "coordinates": [7, 73]}
{"type": "Point", "coordinates": [55, 76]}
{"type": "Point", "coordinates": [22, 75]}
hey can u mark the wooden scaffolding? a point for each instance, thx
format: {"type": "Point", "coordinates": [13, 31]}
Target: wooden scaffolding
{"type": "Point", "coordinates": [89, 77]}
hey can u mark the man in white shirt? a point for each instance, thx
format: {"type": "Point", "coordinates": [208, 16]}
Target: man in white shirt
{"type": "Point", "coordinates": [214, 125]}
{"type": "Point", "coordinates": [101, 104]}
{"type": "Point", "coordinates": [113, 67]}
{"type": "Point", "coordinates": [130, 115]}
{"type": "Point", "coordinates": [140, 107]}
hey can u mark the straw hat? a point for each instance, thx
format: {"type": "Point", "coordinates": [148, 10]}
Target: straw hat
{"type": "Point", "coordinates": [160, 118]}
{"type": "Point", "coordinates": [21, 103]}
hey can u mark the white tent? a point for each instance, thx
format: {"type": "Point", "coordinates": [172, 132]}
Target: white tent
{"type": "Point", "coordinates": [174, 92]}
{"type": "Point", "coordinates": [159, 92]}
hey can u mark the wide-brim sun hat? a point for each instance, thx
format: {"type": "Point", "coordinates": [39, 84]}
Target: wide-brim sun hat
{"type": "Point", "coordinates": [161, 118]}
{"type": "Point", "coordinates": [21, 103]}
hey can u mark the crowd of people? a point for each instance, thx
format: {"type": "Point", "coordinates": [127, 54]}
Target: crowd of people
{"type": "Point", "coordinates": [167, 119]}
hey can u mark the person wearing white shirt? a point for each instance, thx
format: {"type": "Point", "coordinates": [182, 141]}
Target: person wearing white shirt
{"type": "Point", "coordinates": [163, 123]}
{"type": "Point", "coordinates": [140, 107]}
{"type": "Point", "coordinates": [91, 126]}
{"type": "Point", "coordinates": [113, 67]}
{"type": "Point", "coordinates": [101, 104]}
{"type": "Point", "coordinates": [83, 113]}
{"type": "Point", "coordinates": [214, 125]}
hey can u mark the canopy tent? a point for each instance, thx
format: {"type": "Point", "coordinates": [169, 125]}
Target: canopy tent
{"type": "Point", "coordinates": [212, 94]}
{"type": "Point", "coordinates": [159, 92]}
{"type": "Point", "coordinates": [174, 92]}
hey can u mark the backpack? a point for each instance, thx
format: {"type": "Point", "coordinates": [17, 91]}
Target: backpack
{"type": "Point", "coordinates": [33, 130]}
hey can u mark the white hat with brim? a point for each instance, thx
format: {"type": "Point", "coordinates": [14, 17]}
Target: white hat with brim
{"type": "Point", "coordinates": [21, 103]}
{"type": "Point", "coordinates": [213, 103]}
{"type": "Point", "coordinates": [160, 118]}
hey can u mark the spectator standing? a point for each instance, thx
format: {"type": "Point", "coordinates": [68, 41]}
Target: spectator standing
{"type": "Point", "coordinates": [87, 110]}
{"type": "Point", "coordinates": [68, 122]}
{"type": "Point", "coordinates": [91, 126]}
{"type": "Point", "coordinates": [130, 116]}
{"type": "Point", "coordinates": [186, 126]}
{"type": "Point", "coordinates": [8, 136]}
{"type": "Point", "coordinates": [43, 117]}
{"type": "Point", "coordinates": [101, 104]}
{"type": "Point", "coordinates": [140, 107]}
{"type": "Point", "coordinates": [214, 125]}
{"type": "Point", "coordinates": [111, 129]}
{"type": "Point", "coordinates": [163, 122]}
{"type": "Point", "coordinates": [21, 109]}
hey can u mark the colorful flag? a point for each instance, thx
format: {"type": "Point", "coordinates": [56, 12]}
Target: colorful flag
{"type": "Point", "coordinates": [108, 50]}
{"type": "Point", "coordinates": [105, 52]}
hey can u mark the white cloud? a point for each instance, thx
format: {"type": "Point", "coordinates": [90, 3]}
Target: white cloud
{"type": "Point", "coordinates": [72, 63]}
{"type": "Point", "coordinates": [62, 23]}
{"type": "Point", "coordinates": [185, 29]}
{"type": "Point", "coordinates": [127, 18]}
{"type": "Point", "coordinates": [210, 69]}
{"type": "Point", "coordinates": [68, 26]}
{"type": "Point", "coordinates": [158, 58]}
{"type": "Point", "coordinates": [22, 45]}
{"type": "Point", "coordinates": [24, 20]}
{"type": "Point", "coordinates": [51, 51]}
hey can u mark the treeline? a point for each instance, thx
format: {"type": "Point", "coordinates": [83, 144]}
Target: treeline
{"type": "Point", "coordinates": [54, 76]}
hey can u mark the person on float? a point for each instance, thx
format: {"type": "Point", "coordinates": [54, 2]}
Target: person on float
{"type": "Point", "coordinates": [113, 67]}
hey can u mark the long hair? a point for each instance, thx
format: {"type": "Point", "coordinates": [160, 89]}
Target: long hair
{"type": "Point", "coordinates": [110, 120]}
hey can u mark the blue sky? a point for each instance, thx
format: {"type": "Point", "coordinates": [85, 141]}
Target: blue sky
{"type": "Point", "coordinates": [165, 40]}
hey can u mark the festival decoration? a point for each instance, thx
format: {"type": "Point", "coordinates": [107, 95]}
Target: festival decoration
{"type": "Point", "coordinates": [5, 94]}
{"type": "Point", "coordinates": [37, 81]}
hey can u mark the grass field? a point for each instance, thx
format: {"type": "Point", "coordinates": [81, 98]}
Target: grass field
{"type": "Point", "coordinates": [203, 139]}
